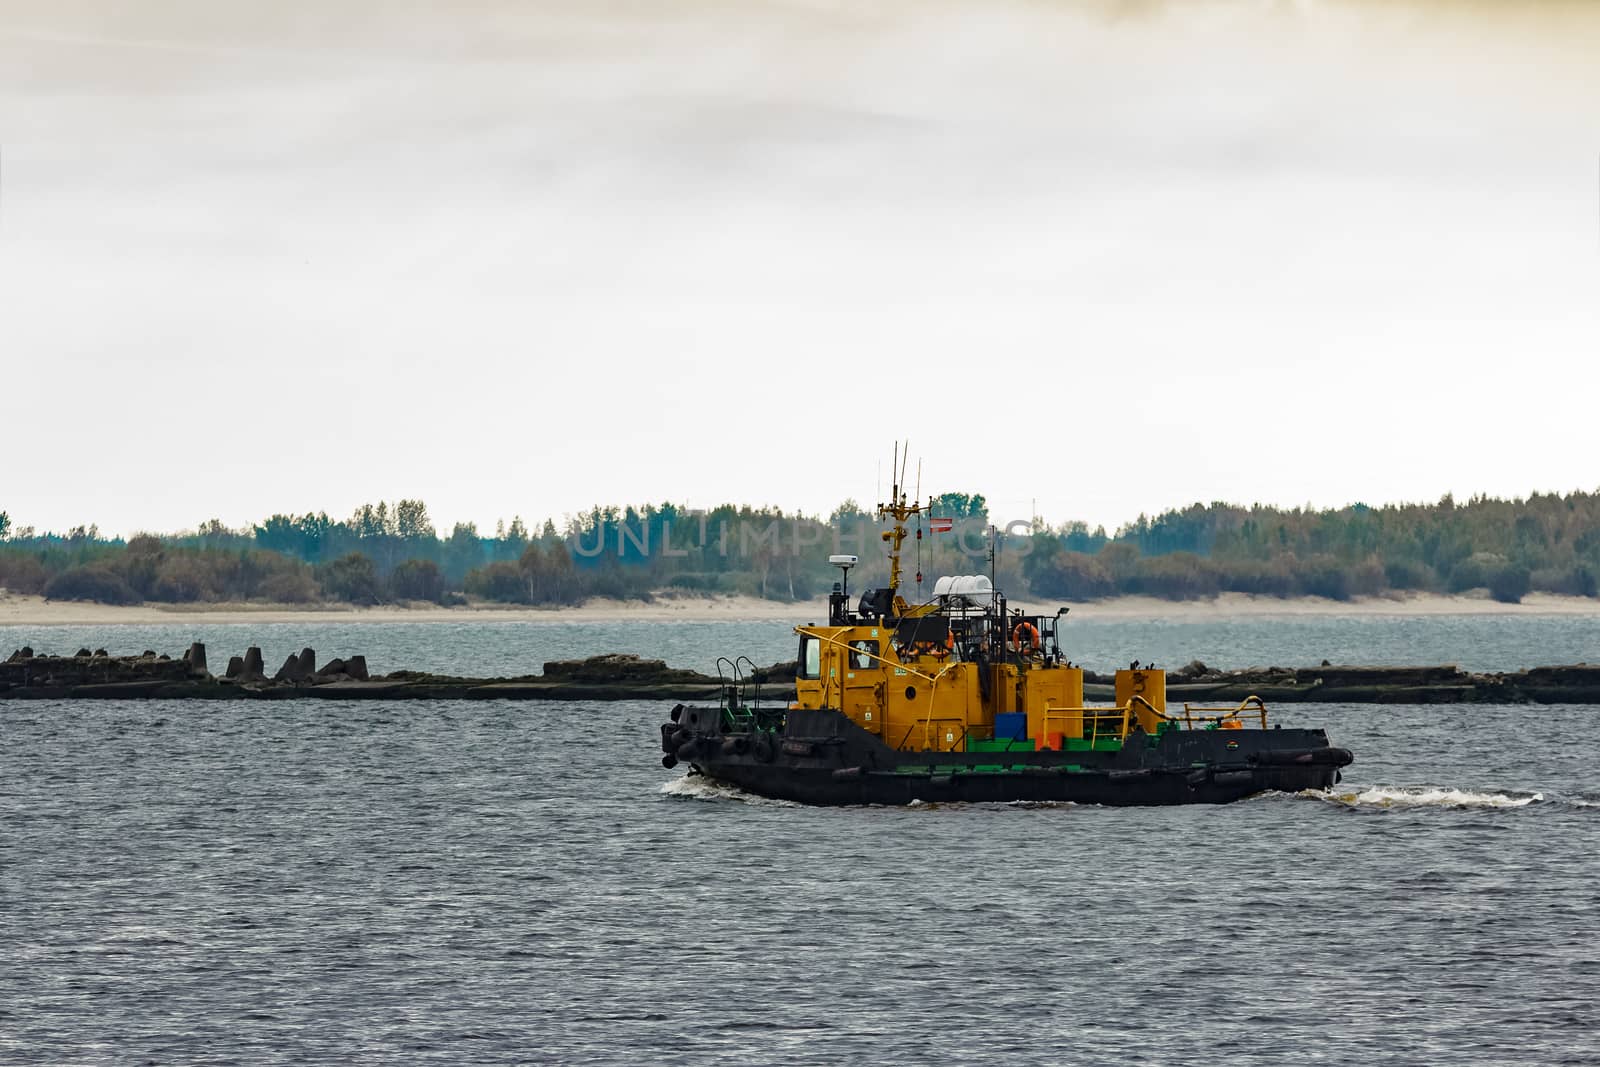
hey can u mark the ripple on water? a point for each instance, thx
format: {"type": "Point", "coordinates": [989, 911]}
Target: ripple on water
{"type": "Point", "coordinates": [503, 883]}
{"type": "Point", "coordinates": [1391, 797]}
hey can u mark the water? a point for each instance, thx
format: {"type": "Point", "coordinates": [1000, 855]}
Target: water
{"type": "Point", "coordinates": [474, 647]}
{"type": "Point", "coordinates": [508, 883]}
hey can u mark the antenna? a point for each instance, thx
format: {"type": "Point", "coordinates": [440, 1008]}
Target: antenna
{"type": "Point", "coordinates": [994, 552]}
{"type": "Point", "coordinates": [918, 497]}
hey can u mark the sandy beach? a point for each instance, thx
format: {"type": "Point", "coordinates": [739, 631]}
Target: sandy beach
{"type": "Point", "coordinates": [18, 610]}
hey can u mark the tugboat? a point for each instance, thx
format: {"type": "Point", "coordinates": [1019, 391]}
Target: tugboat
{"type": "Point", "coordinates": [962, 699]}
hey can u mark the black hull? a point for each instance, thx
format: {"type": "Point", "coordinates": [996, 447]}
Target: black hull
{"type": "Point", "coordinates": [1040, 787]}
{"type": "Point", "coordinates": [822, 758]}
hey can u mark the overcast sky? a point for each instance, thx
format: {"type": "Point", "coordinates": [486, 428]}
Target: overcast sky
{"type": "Point", "coordinates": [521, 258]}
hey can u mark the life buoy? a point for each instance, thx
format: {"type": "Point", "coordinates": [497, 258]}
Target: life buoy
{"type": "Point", "coordinates": [1024, 631]}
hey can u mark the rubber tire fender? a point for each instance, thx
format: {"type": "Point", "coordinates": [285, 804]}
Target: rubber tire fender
{"type": "Point", "coordinates": [766, 749]}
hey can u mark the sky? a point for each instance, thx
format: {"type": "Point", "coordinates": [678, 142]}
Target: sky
{"type": "Point", "coordinates": [1091, 259]}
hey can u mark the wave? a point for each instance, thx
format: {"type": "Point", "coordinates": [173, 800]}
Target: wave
{"type": "Point", "coordinates": [699, 787]}
{"type": "Point", "coordinates": [1425, 796]}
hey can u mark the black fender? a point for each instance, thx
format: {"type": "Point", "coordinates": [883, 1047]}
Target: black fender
{"type": "Point", "coordinates": [1233, 777]}
{"type": "Point", "coordinates": [1327, 756]}
{"type": "Point", "coordinates": [766, 749]}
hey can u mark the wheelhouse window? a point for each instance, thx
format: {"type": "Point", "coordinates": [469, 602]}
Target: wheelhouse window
{"type": "Point", "coordinates": [863, 655]}
{"type": "Point", "coordinates": [810, 657]}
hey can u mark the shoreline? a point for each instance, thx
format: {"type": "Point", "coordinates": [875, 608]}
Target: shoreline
{"type": "Point", "coordinates": [21, 611]}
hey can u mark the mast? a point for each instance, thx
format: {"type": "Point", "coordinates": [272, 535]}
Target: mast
{"type": "Point", "coordinates": [899, 509]}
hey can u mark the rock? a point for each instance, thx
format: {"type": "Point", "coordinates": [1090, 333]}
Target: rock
{"type": "Point", "coordinates": [616, 667]}
{"type": "Point", "coordinates": [308, 662]}
{"type": "Point", "coordinates": [235, 666]}
{"type": "Point", "coordinates": [101, 653]}
{"type": "Point", "coordinates": [254, 669]}
{"type": "Point", "coordinates": [290, 671]}
{"type": "Point", "coordinates": [1193, 669]}
{"type": "Point", "coordinates": [356, 667]}
{"type": "Point", "coordinates": [1580, 674]}
{"type": "Point", "coordinates": [778, 672]}
{"type": "Point", "coordinates": [196, 658]}
{"type": "Point", "coordinates": [47, 672]}
{"type": "Point", "coordinates": [148, 653]}
{"type": "Point", "coordinates": [334, 666]}
{"type": "Point", "coordinates": [1389, 677]}
{"type": "Point", "coordinates": [82, 653]}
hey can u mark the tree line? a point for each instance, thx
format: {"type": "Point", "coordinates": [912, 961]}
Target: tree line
{"type": "Point", "coordinates": [1545, 543]}
{"type": "Point", "coordinates": [393, 553]}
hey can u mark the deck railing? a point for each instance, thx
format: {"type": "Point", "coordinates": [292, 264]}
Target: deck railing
{"type": "Point", "coordinates": [1115, 722]}
{"type": "Point", "coordinates": [1226, 718]}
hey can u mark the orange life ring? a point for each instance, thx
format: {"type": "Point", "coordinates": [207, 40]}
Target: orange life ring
{"type": "Point", "coordinates": [1017, 636]}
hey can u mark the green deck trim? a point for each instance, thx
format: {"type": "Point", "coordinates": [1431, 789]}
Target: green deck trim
{"type": "Point", "coordinates": [1000, 745]}
{"type": "Point", "coordinates": [1099, 744]}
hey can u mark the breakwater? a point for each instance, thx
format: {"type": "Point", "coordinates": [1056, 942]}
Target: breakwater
{"type": "Point", "coordinates": [94, 674]}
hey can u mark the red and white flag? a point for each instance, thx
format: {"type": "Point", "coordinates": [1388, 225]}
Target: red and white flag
{"type": "Point", "coordinates": [941, 525]}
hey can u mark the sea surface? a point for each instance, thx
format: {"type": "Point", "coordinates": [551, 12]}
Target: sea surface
{"type": "Point", "coordinates": [463, 883]}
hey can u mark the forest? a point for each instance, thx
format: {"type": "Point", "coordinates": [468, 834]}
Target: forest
{"type": "Point", "coordinates": [393, 554]}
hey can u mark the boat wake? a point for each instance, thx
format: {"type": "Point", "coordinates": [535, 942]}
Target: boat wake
{"type": "Point", "coordinates": [699, 787]}
{"type": "Point", "coordinates": [1391, 797]}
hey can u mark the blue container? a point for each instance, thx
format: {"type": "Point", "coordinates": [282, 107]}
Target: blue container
{"type": "Point", "coordinates": [1010, 726]}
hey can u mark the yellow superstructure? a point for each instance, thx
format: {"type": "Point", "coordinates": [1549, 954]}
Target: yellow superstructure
{"type": "Point", "coordinates": [960, 670]}
{"type": "Point", "coordinates": [926, 696]}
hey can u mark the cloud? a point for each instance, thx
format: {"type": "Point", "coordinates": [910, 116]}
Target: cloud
{"type": "Point", "coordinates": [437, 250]}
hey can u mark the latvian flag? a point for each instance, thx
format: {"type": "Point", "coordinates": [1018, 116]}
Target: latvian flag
{"type": "Point", "coordinates": [941, 525]}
